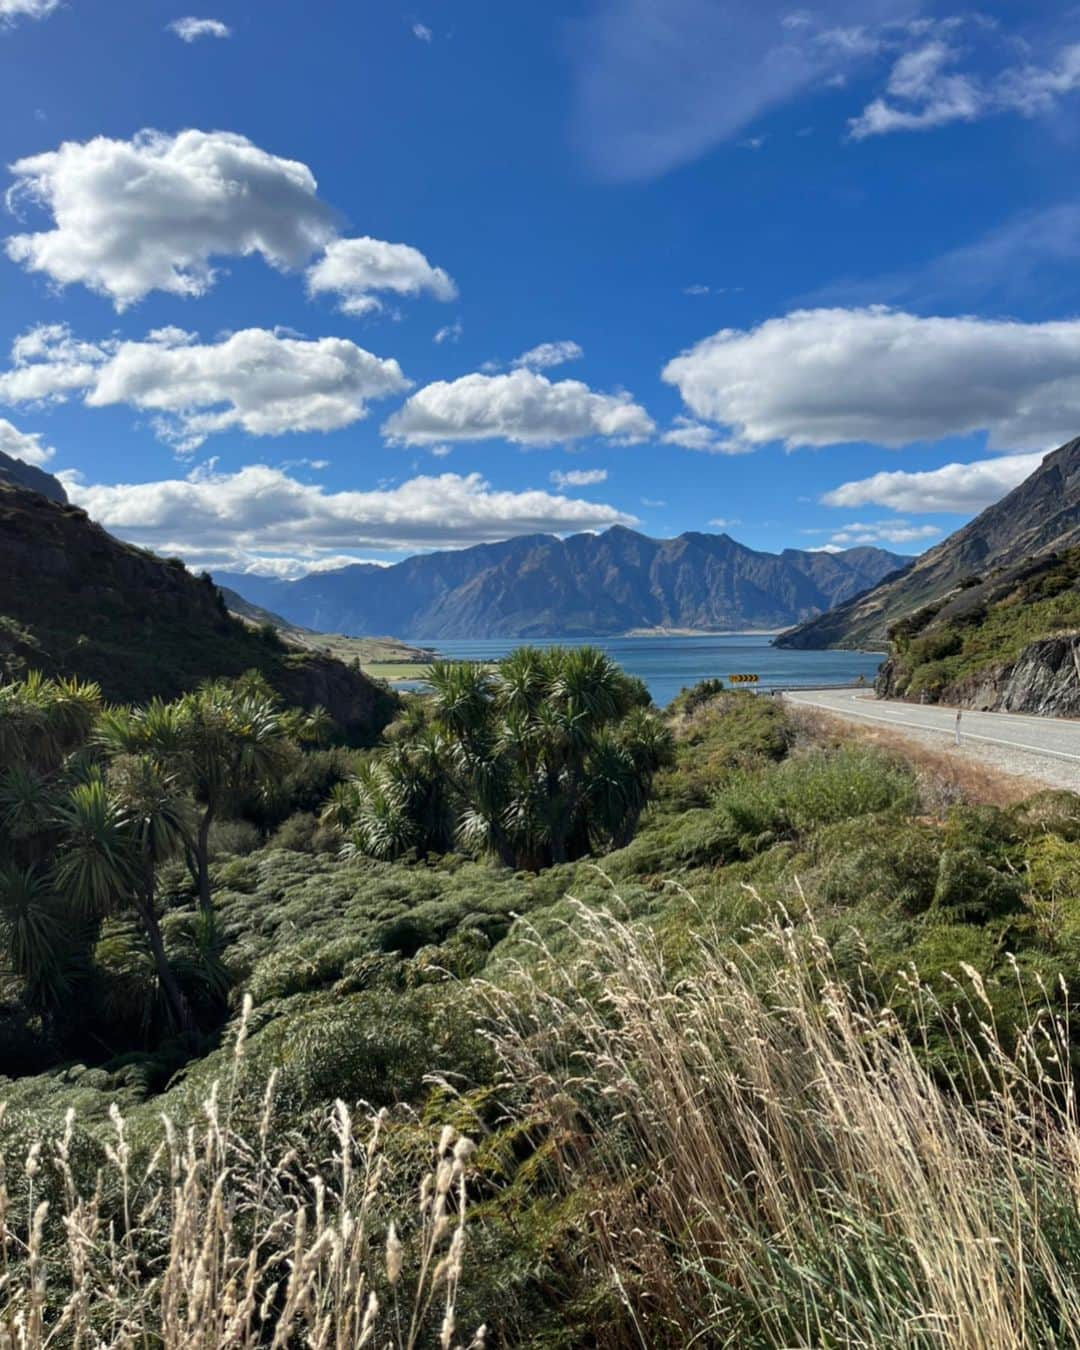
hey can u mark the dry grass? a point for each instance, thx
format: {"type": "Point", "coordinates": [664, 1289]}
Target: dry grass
{"type": "Point", "coordinates": [767, 1162]}
{"type": "Point", "coordinates": [224, 1241]}
{"type": "Point", "coordinates": [944, 778]}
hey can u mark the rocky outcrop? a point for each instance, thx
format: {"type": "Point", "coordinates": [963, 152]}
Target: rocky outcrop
{"type": "Point", "coordinates": [17, 473]}
{"type": "Point", "coordinates": [1044, 679]}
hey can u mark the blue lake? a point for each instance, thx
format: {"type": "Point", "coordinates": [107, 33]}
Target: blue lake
{"type": "Point", "coordinates": [668, 664]}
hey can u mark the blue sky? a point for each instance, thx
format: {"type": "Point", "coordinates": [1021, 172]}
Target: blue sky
{"type": "Point", "coordinates": [280, 290]}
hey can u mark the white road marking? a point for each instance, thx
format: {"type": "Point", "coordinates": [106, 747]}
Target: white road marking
{"type": "Point", "coordinates": [889, 718]}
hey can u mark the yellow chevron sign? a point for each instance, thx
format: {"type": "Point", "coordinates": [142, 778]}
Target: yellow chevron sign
{"type": "Point", "coordinates": [742, 679]}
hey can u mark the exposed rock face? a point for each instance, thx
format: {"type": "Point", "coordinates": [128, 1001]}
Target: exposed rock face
{"type": "Point", "coordinates": [1040, 516]}
{"type": "Point", "coordinates": [541, 586]}
{"type": "Point", "coordinates": [1044, 679]}
{"type": "Point", "coordinates": [19, 474]}
{"type": "Point", "coordinates": [74, 600]}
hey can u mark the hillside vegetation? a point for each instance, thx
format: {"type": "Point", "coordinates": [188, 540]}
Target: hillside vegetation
{"type": "Point", "coordinates": [784, 1062]}
{"type": "Point", "coordinates": [1036, 519]}
{"type": "Point", "coordinates": [1006, 642]}
{"type": "Point", "coordinates": [74, 601]}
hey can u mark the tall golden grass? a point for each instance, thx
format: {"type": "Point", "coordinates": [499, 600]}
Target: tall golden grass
{"type": "Point", "coordinates": [225, 1241]}
{"type": "Point", "coordinates": [766, 1160]}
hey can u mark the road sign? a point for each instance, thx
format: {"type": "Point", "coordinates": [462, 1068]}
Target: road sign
{"type": "Point", "coordinates": [742, 679]}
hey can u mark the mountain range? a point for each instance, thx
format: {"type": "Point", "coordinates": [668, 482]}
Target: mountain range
{"type": "Point", "coordinates": [1039, 517]}
{"type": "Point", "coordinates": [587, 584]}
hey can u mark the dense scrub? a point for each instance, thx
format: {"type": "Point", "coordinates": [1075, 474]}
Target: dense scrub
{"type": "Point", "coordinates": [449, 989]}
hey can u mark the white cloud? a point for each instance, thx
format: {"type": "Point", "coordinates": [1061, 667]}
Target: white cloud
{"type": "Point", "coordinates": [929, 97]}
{"type": "Point", "coordinates": [422, 32]}
{"type": "Point", "coordinates": [962, 489]}
{"type": "Point", "coordinates": [190, 29]}
{"type": "Point", "coordinates": [259, 381]}
{"type": "Point", "coordinates": [724, 522]}
{"type": "Point", "coordinates": [354, 268]}
{"type": "Point", "coordinates": [10, 10]}
{"type": "Point", "coordinates": [578, 477]}
{"type": "Point", "coordinates": [923, 93]}
{"type": "Point", "coordinates": [828, 376]}
{"type": "Point", "coordinates": [710, 68]}
{"type": "Point", "coordinates": [449, 332]}
{"type": "Point", "coordinates": [696, 289]}
{"type": "Point", "coordinates": [691, 435]}
{"type": "Point", "coordinates": [150, 213]}
{"type": "Point", "coordinates": [522, 407]}
{"type": "Point", "coordinates": [24, 445]}
{"type": "Point", "coordinates": [285, 567]}
{"type": "Point", "coordinates": [549, 354]}
{"type": "Point", "coordinates": [262, 510]}
{"type": "Point", "coordinates": [859, 534]}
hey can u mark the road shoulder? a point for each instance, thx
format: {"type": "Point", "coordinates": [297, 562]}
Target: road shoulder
{"type": "Point", "coordinates": [1030, 770]}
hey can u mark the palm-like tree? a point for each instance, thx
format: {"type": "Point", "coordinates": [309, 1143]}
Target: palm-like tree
{"type": "Point", "coordinates": [115, 834]}
{"type": "Point", "coordinates": [34, 935]}
{"type": "Point", "coordinates": [221, 742]}
{"type": "Point", "coordinates": [550, 757]}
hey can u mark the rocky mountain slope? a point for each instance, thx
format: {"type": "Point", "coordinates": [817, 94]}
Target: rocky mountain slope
{"type": "Point", "coordinates": [542, 586]}
{"type": "Point", "coordinates": [76, 601]}
{"type": "Point", "coordinates": [1040, 516]}
{"type": "Point", "coordinates": [16, 473]}
{"type": "Point", "coordinates": [1010, 643]}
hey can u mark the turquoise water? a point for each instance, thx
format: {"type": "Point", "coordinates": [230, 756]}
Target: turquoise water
{"type": "Point", "coordinates": [668, 664]}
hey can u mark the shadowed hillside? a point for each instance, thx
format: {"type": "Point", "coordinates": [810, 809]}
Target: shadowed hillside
{"type": "Point", "coordinates": [76, 601]}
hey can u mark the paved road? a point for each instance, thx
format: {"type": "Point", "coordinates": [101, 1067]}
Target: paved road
{"type": "Point", "coordinates": [1046, 748]}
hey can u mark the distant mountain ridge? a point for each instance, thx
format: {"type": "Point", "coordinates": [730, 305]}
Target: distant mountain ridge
{"type": "Point", "coordinates": [1039, 517]}
{"type": "Point", "coordinates": [585, 585]}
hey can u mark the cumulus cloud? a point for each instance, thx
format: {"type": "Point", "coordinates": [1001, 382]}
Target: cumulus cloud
{"type": "Point", "coordinates": [10, 10]}
{"type": "Point", "coordinates": [352, 269]}
{"type": "Point", "coordinates": [578, 477]}
{"type": "Point", "coordinates": [190, 29]}
{"type": "Point", "coordinates": [256, 380]}
{"type": "Point", "coordinates": [548, 354]}
{"type": "Point", "coordinates": [422, 32]}
{"type": "Point", "coordinates": [24, 445]}
{"type": "Point", "coordinates": [691, 435]}
{"type": "Point", "coordinates": [150, 213]}
{"type": "Point", "coordinates": [522, 407]}
{"type": "Point", "coordinates": [827, 376]}
{"type": "Point", "coordinates": [449, 332]}
{"type": "Point", "coordinates": [923, 92]}
{"type": "Point", "coordinates": [962, 489]}
{"type": "Point", "coordinates": [261, 510]}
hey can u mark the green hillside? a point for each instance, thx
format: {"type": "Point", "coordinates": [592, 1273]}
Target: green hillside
{"type": "Point", "coordinates": [76, 601]}
{"type": "Point", "coordinates": [946, 651]}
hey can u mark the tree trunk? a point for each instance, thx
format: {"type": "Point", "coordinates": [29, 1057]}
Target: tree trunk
{"type": "Point", "coordinates": [173, 993]}
{"type": "Point", "coordinates": [202, 861]}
